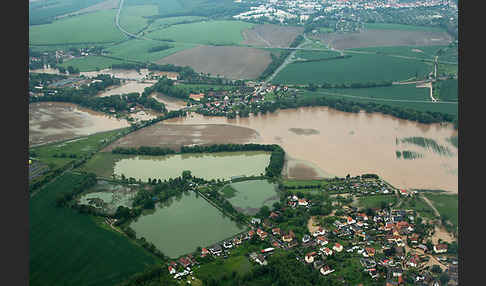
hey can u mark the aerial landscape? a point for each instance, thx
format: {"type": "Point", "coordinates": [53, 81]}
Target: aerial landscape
{"type": "Point", "coordinates": [243, 142]}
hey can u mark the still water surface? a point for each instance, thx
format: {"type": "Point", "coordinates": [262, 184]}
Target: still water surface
{"type": "Point", "coordinates": [183, 224]}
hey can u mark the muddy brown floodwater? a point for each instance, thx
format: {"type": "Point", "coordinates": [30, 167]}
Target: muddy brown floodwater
{"type": "Point", "coordinates": [171, 103]}
{"type": "Point", "coordinates": [349, 143]}
{"type": "Point", "coordinates": [55, 121]}
{"type": "Point", "coordinates": [127, 87]}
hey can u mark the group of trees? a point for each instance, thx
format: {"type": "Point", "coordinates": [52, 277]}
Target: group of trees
{"type": "Point", "coordinates": [143, 150]}
{"type": "Point", "coordinates": [88, 181]}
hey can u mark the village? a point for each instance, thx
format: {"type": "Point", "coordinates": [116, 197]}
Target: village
{"type": "Point", "coordinates": [389, 243]}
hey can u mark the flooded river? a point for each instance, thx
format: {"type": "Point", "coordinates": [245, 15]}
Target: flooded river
{"type": "Point", "coordinates": [127, 87]}
{"type": "Point", "coordinates": [325, 142]}
{"type": "Point", "coordinates": [55, 121]}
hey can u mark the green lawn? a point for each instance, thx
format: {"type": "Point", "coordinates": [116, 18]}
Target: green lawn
{"type": "Point", "coordinates": [210, 32]}
{"type": "Point", "coordinates": [447, 206]}
{"type": "Point", "coordinates": [96, 27]}
{"type": "Point", "coordinates": [385, 26]}
{"type": "Point", "coordinates": [69, 248]}
{"type": "Point", "coordinates": [420, 206]}
{"type": "Point", "coordinates": [375, 201]}
{"type": "Point", "coordinates": [358, 68]}
{"type": "Point", "coordinates": [133, 18]}
{"type": "Point", "coordinates": [313, 55]}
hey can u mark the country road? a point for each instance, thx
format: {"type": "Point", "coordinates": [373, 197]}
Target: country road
{"type": "Point", "coordinates": [431, 205]}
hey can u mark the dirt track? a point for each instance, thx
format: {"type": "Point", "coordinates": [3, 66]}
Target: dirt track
{"type": "Point", "coordinates": [227, 61]}
{"type": "Point", "coordinates": [174, 136]}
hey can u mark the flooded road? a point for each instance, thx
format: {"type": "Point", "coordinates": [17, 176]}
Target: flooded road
{"type": "Point", "coordinates": [55, 121]}
{"type": "Point", "coordinates": [339, 143]}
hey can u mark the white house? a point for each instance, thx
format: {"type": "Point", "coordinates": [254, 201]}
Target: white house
{"type": "Point", "coordinates": [326, 270]}
{"type": "Point", "coordinates": [337, 247]}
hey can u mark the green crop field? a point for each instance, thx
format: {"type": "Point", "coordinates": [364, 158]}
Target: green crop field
{"type": "Point", "coordinates": [358, 68]}
{"type": "Point", "coordinates": [78, 29]}
{"type": "Point", "coordinates": [69, 248]}
{"type": "Point", "coordinates": [396, 95]}
{"type": "Point", "coordinates": [134, 18]}
{"type": "Point", "coordinates": [211, 32]}
{"type": "Point", "coordinates": [421, 52]}
{"type": "Point", "coordinates": [420, 206]}
{"type": "Point", "coordinates": [41, 12]}
{"type": "Point", "coordinates": [448, 90]}
{"type": "Point", "coordinates": [385, 26]}
{"type": "Point", "coordinates": [138, 50]}
{"type": "Point", "coordinates": [91, 63]}
{"type": "Point", "coordinates": [447, 206]}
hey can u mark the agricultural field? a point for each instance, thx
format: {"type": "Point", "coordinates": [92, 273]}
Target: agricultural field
{"type": "Point", "coordinates": [42, 12]}
{"type": "Point", "coordinates": [139, 50]}
{"type": "Point", "coordinates": [419, 52]}
{"type": "Point", "coordinates": [91, 254]}
{"type": "Point", "coordinates": [51, 154]}
{"type": "Point", "coordinates": [407, 96]}
{"type": "Point", "coordinates": [134, 18]}
{"type": "Point", "coordinates": [357, 68]}
{"type": "Point", "coordinates": [207, 33]}
{"type": "Point", "coordinates": [386, 37]}
{"type": "Point", "coordinates": [270, 35]}
{"type": "Point", "coordinates": [447, 205]}
{"type": "Point", "coordinates": [78, 29]}
{"type": "Point", "coordinates": [400, 27]}
{"type": "Point", "coordinates": [448, 90]}
{"type": "Point", "coordinates": [228, 62]}
{"type": "Point", "coordinates": [301, 183]}
{"type": "Point", "coordinates": [90, 63]}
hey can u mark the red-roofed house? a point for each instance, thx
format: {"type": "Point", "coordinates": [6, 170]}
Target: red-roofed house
{"type": "Point", "coordinates": [172, 270]}
{"type": "Point", "coordinates": [326, 270]}
{"type": "Point", "coordinates": [327, 251]}
{"type": "Point", "coordinates": [370, 251]}
{"type": "Point", "coordinates": [276, 231]}
{"type": "Point", "coordinates": [321, 240]}
{"type": "Point", "coordinates": [337, 247]}
{"type": "Point", "coordinates": [309, 257]}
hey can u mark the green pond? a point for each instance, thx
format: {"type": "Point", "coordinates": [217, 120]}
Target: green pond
{"type": "Point", "coordinates": [222, 165]}
{"type": "Point", "coordinates": [250, 196]}
{"type": "Point", "coordinates": [108, 197]}
{"type": "Point", "coordinates": [181, 225]}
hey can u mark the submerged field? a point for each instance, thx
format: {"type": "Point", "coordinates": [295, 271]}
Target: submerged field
{"type": "Point", "coordinates": [67, 247]}
{"type": "Point", "coordinates": [249, 196]}
{"type": "Point", "coordinates": [183, 224]}
{"type": "Point", "coordinates": [221, 165]}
